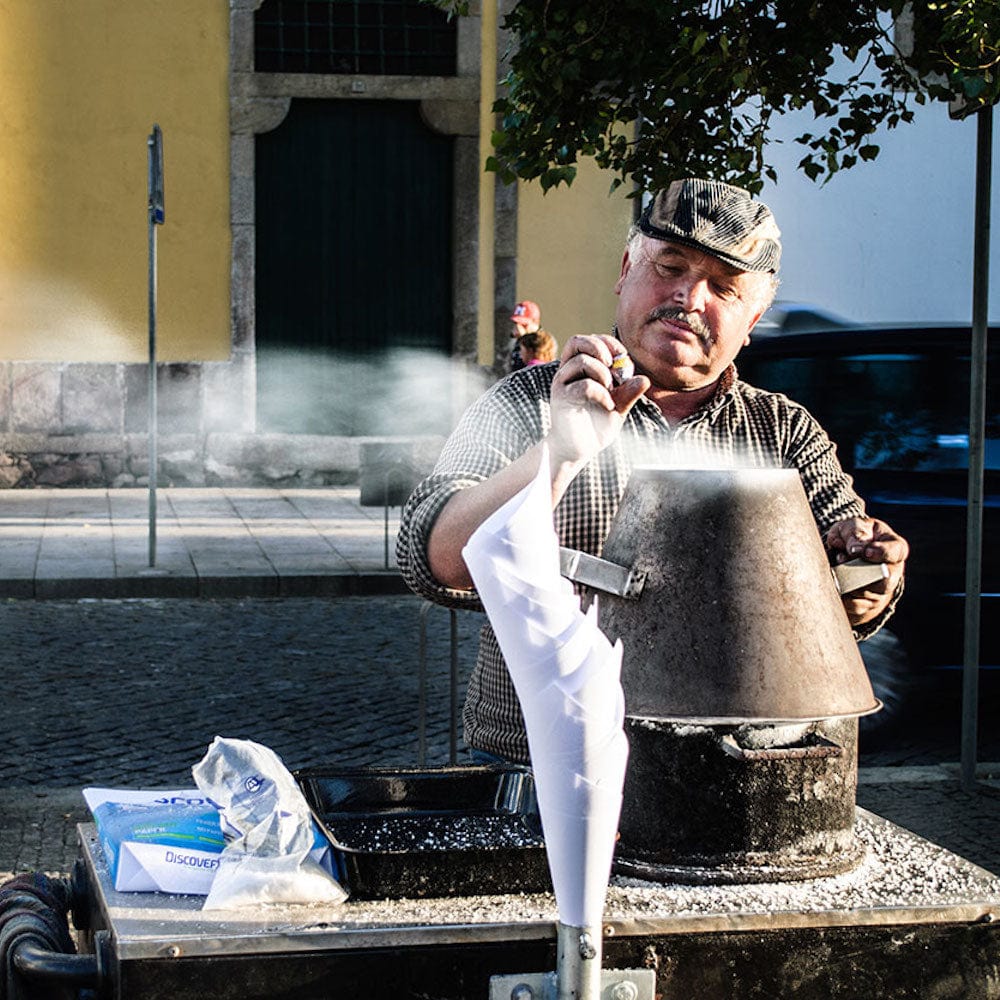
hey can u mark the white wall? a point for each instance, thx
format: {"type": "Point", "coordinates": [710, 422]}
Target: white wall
{"type": "Point", "coordinates": [890, 240]}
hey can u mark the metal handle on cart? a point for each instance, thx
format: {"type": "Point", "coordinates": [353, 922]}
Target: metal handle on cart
{"type": "Point", "coordinates": [34, 966]}
{"type": "Point", "coordinates": [39, 964]}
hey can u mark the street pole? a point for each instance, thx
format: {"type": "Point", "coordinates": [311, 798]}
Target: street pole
{"type": "Point", "coordinates": [977, 418]}
{"type": "Point", "coordinates": [154, 149]}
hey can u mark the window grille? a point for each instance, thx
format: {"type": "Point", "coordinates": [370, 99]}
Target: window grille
{"type": "Point", "coordinates": [378, 37]}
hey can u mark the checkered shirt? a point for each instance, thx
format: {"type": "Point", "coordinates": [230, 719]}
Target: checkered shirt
{"type": "Point", "coordinates": [741, 426]}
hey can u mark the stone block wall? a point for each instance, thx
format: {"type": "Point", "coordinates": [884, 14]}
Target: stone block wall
{"type": "Point", "coordinates": [87, 425]}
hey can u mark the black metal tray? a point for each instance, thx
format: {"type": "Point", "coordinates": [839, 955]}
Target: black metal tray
{"type": "Point", "coordinates": [421, 832]}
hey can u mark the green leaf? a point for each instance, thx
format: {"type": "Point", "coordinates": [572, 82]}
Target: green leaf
{"type": "Point", "coordinates": [973, 86]}
{"type": "Point", "coordinates": [811, 169]}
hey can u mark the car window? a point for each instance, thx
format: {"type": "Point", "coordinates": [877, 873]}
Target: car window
{"type": "Point", "coordinates": [888, 411]}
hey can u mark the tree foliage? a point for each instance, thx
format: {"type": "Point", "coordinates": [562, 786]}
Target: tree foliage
{"type": "Point", "coordinates": [655, 90]}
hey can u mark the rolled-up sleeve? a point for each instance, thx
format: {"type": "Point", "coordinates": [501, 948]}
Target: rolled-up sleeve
{"type": "Point", "coordinates": [419, 515]}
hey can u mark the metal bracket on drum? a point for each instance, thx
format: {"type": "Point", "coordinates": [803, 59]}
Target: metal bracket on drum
{"type": "Point", "coordinates": [592, 571]}
{"type": "Point", "coordinates": [616, 984]}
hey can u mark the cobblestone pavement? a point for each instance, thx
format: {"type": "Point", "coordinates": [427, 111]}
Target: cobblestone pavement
{"type": "Point", "coordinates": [131, 693]}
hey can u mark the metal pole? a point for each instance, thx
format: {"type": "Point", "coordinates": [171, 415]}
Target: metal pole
{"type": "Point", "coordinates": [977, 418]}
{"type": "Point", "coordinates": [155, 213]}
{"type": "Point", "coordinates": [152, 392]}
{"type": "Point", "coordinates": [578, 962]}
{"type": "Point", "coordinates": [453, 692]}
{"type": "Point", "coordinates": [385, 523]}
{"type": "Point", "coordinates": [422, 686]}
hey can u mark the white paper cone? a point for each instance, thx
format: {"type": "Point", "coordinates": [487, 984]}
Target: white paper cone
{"type": "Point", "coordinates": [567, 678]}
{"type": "Point", "coordinates": [532, 676]}
{"type": "Point", "coordinates": [596, 783]}
{"type": "Point", "coordinates": [582, 863]}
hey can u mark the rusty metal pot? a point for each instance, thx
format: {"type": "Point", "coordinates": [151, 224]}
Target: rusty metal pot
{"type": "Point", "coordinates": [734, 804]}
{"type": "Point", "coordinates": [742, 680]}
{"type": "Point", "coordinates": [739, 618]}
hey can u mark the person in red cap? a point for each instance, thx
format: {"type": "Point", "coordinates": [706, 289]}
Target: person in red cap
{"type": "Point", "coordinates": [527, 318]}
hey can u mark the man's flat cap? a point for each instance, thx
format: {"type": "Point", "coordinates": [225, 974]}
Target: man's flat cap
{"type": "Point", "coordinates": [718, 219]}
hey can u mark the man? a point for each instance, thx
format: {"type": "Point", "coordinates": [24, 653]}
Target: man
{"type": "Point", "coordinates": [697, 273]}
{"type": "Point", "coordinates": [526, 318]}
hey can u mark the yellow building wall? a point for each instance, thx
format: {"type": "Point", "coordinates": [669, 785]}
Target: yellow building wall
{"type": "Point", "coordinates": [81, 84]}
{"type": "Point", "coordinates": [569, 247]}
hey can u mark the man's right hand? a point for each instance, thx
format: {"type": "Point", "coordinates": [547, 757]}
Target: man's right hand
{"type": "Point", "coordinates": [587, 413]}
{"type": "Point", "coordinates": [588, 410]}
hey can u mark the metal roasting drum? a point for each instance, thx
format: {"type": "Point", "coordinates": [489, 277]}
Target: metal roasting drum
{"type": "Point", "coordinates": [742, 681]}
{"type": "Point", "coordinates": [739, 618]}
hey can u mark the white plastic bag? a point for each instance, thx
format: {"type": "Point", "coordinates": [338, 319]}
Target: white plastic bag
{"type": "Point", "coordinates": [268, 827]}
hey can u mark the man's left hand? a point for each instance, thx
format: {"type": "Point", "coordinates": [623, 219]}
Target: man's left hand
{"type": "Point", "coordinates": [871, 539]}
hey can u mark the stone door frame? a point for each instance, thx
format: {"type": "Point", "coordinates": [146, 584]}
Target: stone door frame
{"type": "Point", "coordinates": [259, 102]}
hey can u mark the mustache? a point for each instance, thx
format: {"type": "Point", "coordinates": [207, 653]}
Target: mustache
{"type": "Point", "coordinates": [696, 324]}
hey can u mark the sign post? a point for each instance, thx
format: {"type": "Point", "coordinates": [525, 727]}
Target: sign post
{"type": "Point", "coordinates": [977, 423]}
{"type": "Point", "coordinates": [154, 146]}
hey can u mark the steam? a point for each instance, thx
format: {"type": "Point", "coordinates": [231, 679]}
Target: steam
{"type": "Point", "coordinates": [402, 391]}
{"type": "Point", "coordinates": [695, 455]}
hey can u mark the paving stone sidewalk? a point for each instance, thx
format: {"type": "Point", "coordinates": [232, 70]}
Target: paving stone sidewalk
{"type": "Point", "coordinates": [208, 542]}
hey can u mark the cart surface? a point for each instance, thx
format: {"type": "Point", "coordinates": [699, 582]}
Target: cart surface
{"type": "Point", "coordinates": [911, 919]}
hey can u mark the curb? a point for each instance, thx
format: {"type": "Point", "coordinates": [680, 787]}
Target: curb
{"type": "Point", "coordinates": [365, 584]}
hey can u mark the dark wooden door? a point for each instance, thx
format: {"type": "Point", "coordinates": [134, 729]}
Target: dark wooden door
{"type": "Point", "coordinates": [353, 268]}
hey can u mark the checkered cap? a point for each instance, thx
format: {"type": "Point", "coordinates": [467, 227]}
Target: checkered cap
{"type": "Point", "coordinates": [717, 219]}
